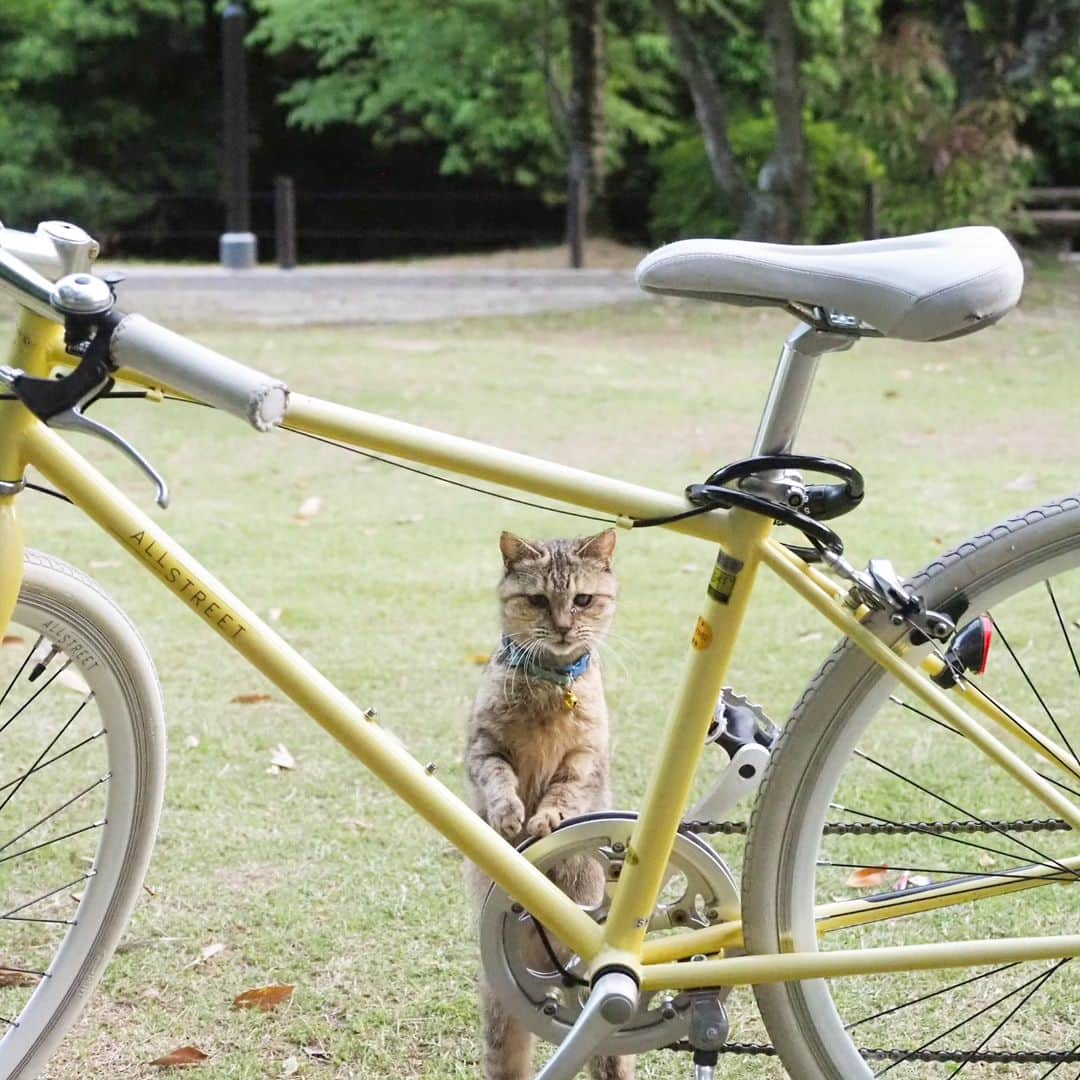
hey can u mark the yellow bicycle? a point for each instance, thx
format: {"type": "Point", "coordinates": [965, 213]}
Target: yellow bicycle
{"type": "Point", "coordinates": [948, 784]}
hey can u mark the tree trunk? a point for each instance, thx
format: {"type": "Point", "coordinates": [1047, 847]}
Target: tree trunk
{"type": "Point", "coordinates": [586, 204]}
{"type": "Point", "coordinates": [783, 193]}
{"type": "Point", "coordinates": [709, 105]}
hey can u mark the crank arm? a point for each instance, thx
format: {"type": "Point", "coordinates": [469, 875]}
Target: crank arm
{"type": "Point", "coordinates": [739, 779]}
{"type": "Point", "coordinates": [611, 1003]}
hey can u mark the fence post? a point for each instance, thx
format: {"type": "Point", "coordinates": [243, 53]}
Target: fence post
{"type": "Point", "coordinates": [576, 206]}
{"type": "Point", "coordinates": [870, 209]}
{"type": "Point", "coordinates": [285, 221]}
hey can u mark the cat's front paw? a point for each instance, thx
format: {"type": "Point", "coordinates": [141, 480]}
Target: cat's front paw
{"type": "Point", "coordinates": [506, 816]}
{"type": "Point", "coordinates": [543, 822]}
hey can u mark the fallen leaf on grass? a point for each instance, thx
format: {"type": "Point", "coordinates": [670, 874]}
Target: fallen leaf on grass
{"type": "Point", "coordinates": [281, 757]}
{"type": "Point", "coordinates": [191, 742]}
{"type": "Point", "coordinates": [1024, 482]}
{"type": "Point", "coordinates": [479, 658]}
{"type": "Point", "coordinates": [307, 510]}
{"type": "Point", "coordinates": [290, 1067]}
{"type": "Point", "coordinates": [867, 877]}
{"type": "Point", "coordinates": [185, 1055]}
{"type": "Point", "coordinates": [208, 952]}
{"type": "Point", "coordinates": [264, 998]}
{"type": "Point", "coordinates": [71, 678]}
{"type": "Point", "coordinates": [250, 699]}
{"type": "Point", "coordinates": [13, 977]}
{"type": "Point", "coordinates": [986, 859]}
{"type": "Point", "coordinates": [13, 640]}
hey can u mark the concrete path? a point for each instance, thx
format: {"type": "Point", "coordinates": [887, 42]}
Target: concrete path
{"type": "Point", "coordinates": [362, 294]}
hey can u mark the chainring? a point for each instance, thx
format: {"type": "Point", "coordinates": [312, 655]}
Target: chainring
{"type": "Point", "coordinates": [699, 890]}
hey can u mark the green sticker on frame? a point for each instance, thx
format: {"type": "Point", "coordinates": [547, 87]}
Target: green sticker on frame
{"type": "Point", "coordinates": [724, 575]}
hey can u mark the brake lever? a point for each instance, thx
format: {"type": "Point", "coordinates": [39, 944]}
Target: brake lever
{"type": "Point", "coordinates": [87, 304]}
{"type": "Point", "coordinates": [74, 420]}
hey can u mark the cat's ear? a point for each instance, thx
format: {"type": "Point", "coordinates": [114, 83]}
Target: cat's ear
{"type": "Point", "coordinates": [600, 547]}
{"type": "Point", "coordinates": [515, 550]}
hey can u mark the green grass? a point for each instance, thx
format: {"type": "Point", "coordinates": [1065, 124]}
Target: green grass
{"type": "Point", "coordinates": [318, 878]}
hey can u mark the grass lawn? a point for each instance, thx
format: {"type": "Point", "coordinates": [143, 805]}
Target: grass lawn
{"type": "Point", "coordinates": [316, 878]}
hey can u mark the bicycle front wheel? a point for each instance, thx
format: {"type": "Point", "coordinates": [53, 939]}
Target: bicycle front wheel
{"type": "Point", "coordinates": [81, 773]}
{"type": "Point", "coordinates": [869, 796]}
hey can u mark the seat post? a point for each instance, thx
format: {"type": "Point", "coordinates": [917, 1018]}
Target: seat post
{"type": "Point", "coordinates": [791, 385]}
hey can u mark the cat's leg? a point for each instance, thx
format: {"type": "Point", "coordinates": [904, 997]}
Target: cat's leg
{"type": "Point", "coordinates": [495, 786]}
{"type": "Point", "coordinates": [507, 1045]}
{"type": "Point", "coordinates": [612, 1068]}
{"type": "Point", "coordinates": [577, 786]}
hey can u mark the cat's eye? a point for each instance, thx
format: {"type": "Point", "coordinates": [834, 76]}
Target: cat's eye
{"type": "Point", "coordinates": [582, 600]}
{"type": "Point", "coordinates": [538, 600]}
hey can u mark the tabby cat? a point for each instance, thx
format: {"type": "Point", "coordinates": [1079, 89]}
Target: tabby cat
{"type": "Point", "coordinates": [537, 747]}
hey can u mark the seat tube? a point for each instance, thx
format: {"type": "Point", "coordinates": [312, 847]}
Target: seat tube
{"type": "Point", "coordinates": [791, 385]}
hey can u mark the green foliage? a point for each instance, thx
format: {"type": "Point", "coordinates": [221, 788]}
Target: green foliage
{"type": "Point", "coordinates": [1053, 118]}
{"type": "Point", "coordinates": [686, 201]}
{"type": "Point", "coordinates": [946, 159]}
{"type": "Point", "coordinates": [87, 126]}
{"type": "Point", "coordinates": [486, 78]}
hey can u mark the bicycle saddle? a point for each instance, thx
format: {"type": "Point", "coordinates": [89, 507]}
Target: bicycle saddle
{"type": "Point", "coordinates": [922, 288]}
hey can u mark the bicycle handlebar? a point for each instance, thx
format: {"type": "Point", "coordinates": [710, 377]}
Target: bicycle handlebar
{"type": "Point", "coordinates": [29, 262]}
{"type": "Point", "coordinates": [193, 369]}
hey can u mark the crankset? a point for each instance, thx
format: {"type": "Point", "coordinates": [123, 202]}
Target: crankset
{"type": "Point", "coordinates": [546, 988]}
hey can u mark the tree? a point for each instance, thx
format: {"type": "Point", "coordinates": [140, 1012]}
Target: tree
{"type": "Point", "coordinates": [775, 207]}
{"type": "Point", "coordinates": [88, 129]}
{"type": "Point", "coordinates": [507, 87]}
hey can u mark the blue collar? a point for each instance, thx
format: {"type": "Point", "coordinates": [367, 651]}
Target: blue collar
{"type": "Point", "coordinates": [515, 656]}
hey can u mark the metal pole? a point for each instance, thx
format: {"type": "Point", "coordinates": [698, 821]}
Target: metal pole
{"type": "Point", "coordinates": [285, 221]}
{"type": "Point", "coordinates": [237, 244]}
{"type": "Point", "coordinates": [576, 205]}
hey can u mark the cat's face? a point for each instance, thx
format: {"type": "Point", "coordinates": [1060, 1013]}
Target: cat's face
{"type": "Point", "coordinates": [558, 596]}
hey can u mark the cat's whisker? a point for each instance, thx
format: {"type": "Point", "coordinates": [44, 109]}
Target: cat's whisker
{"type": "Point", "coordinates": [613, 652]}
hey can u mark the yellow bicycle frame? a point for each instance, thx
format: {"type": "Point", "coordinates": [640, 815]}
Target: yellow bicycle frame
{"type": "Point", "coordinates": [745, 544]}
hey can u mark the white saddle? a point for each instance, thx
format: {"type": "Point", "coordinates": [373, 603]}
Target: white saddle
{"type": "Point", "coordinates": [923, 288]}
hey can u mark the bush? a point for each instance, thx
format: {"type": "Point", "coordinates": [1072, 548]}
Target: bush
{"type": "Point", "coordinates": [686, 201]}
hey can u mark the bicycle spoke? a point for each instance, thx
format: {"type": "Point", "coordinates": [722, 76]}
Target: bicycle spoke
{"type": "Point", "coordinates": [1064, 629]}
{"type": "Point", "coordinates": [54, 840]}
{"type": "Point", "coordinates": [927, 831]}
{"type": "Point", "coordinates": [1012, 1013]}
{"type": "Point", "coordinates": [1042, 856]}
{"type": "Point", "coordinates": [55, 739]}
{"type": "Point", "coordinates": [1053, 1068]}
{"type": "Point", "coordinates": [927, 997]}
{"type": "Point", "coordinates": [960, 875]}
{"type": "Point", "coordinates": [961, 1023]}
{"type": "Point", "coordinates": [52, 761]}
{"type": "Point", "coordinates": [35, 695]}
{"type": "Point", "coordinates": [22, 668]}
{"type": "Point", "coordinates": [13, 913]}
{"type": "Point", "coordinates": [60, 809]}
{"type": "Point", "coordinates": [1034, 689]}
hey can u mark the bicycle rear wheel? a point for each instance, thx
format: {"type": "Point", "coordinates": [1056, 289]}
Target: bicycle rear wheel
{"type": "Point", "coordinates": [81, 774]}
{"type": "Point", "coordinates": [869, 796]}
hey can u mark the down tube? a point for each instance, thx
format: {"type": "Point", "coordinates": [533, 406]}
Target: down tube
{"type": "Point", "coordinates": [217, 608]}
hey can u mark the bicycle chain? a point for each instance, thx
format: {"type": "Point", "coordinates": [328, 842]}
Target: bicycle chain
{"type": "Point", "coordinates": [987, 1057]}
{"type": "Point", "coordinates": [894, 828]}
{"type": "Point", "coordinates": [940, 828]}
